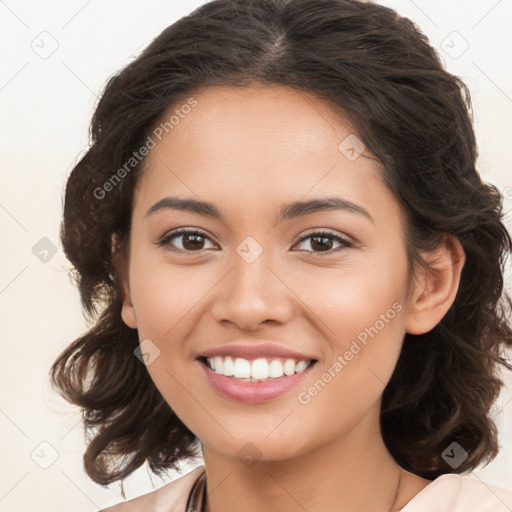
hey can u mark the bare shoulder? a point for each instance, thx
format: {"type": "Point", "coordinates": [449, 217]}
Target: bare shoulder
{"type": "Point", "coordinates": [168, 498]}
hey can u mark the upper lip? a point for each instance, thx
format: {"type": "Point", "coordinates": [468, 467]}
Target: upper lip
{"type": "Point", "coordinates": [255, 351]}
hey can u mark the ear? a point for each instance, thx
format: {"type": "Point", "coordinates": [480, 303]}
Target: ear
{"type": "Point", "coordinates": [127, 310]}
{"type": "Point", "coordinates": [436, 287]}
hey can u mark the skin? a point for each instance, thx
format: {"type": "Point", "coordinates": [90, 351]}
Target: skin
{"type": "Point", "coordinates": [249, 151]}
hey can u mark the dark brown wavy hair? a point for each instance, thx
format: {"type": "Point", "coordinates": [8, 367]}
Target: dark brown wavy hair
{"type": "Point", "coordinates": [380, 72]}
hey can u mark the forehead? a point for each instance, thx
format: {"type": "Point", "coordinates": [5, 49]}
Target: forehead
{"type": "Point", "coordinates": [256, 143]}
{"type": "Point", "coordinates": [276, 116]}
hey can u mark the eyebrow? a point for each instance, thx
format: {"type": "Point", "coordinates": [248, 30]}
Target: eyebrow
{"type": "Point", "coordinates": [288, 211]}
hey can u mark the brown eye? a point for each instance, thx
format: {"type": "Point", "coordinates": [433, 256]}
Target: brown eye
{"type": "Point", "coordinates": [321, 242]}
{"type": "Point", "coordinates": [191, 240]}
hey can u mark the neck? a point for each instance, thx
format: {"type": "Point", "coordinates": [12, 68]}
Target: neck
{"type": "Point", "coordinates": [354, 471]}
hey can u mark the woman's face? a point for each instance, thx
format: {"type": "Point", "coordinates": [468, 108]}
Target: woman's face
{"type": "Point", "coordinates": [249, 280]}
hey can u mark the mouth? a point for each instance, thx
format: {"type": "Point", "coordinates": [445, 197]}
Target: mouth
{"type": "Point", "coordinates": [255, 370]}
{"type": "Point", "coordinates": [254, 381]}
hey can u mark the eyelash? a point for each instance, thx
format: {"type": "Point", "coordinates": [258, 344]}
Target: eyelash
{"type": "Point", "coordinates": [344, 243]}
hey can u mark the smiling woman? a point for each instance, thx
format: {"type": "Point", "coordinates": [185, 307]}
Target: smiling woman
{"type": "Point", "coordinates": [302, 281]}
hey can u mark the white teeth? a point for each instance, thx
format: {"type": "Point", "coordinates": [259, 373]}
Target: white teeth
{"type": "Point", "coordinates": [289, 367]}
{"type": "Point", "coordinates": [301, 365]}
{"type": "Point", "coordinates": [218, 364]}
{"type": "Point", "coordinates": [229, 367]}
{"type": "Point", "coordinates": [257, 369]}
{"type": "Point", "coordinates": [275, 368]}
{"type": "Point", "coordinates": [242, 368]}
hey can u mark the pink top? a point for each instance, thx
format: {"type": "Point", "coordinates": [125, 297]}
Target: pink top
{"type": "Point", "coordinates": [456, 493]}
{"type": "Point", "coordinates": [447, 493]}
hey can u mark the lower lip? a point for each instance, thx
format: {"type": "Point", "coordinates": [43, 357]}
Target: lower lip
{"type": "Point", "coordinates": [253, 392]}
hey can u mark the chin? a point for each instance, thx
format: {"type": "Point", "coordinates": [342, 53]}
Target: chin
{"type": "Point", "coordinates": [255, 446]}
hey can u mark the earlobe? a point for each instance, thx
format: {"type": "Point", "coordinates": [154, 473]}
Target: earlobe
{"type": "Point", "coordinates": [127, 310]}
{"type": "Point", "coordinates": [435, 292]}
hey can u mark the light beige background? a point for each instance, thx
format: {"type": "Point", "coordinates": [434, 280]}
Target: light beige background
{"type": "Point", "coordinates": [46, 102]}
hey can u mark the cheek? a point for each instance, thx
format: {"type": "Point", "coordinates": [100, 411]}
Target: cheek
{"type": "Point", "coordinates": [361, 314]}
{"type": "Point", "coordinates": [363, 323]}
{"type": "Point", "coordinates": [349, 299]}
{"type": "Point", "coordinates": [165, 294]}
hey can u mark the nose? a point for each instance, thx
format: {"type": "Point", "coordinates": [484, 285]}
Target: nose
{"type": "Point", "coordinates": [251, 295]}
